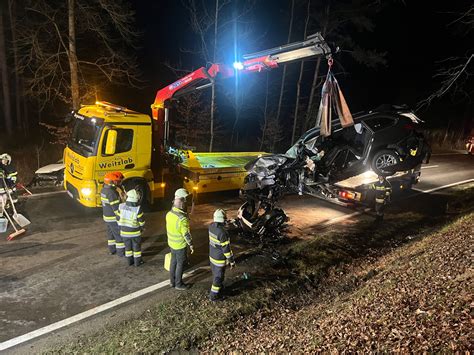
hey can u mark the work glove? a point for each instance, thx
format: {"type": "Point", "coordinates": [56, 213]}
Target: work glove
{"type": "Point", "coordinates": [232, 264]}
{"type": "Point", "coordinates": [191, 248]}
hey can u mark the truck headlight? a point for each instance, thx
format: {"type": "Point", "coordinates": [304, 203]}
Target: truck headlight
{"type": "Point", "coordinates": [86, 191]}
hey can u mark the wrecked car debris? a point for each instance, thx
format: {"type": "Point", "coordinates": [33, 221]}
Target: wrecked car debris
{"type": "Point", "coordinates": [383, 141]}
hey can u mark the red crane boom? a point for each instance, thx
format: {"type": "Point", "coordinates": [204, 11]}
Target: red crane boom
{"type": "Point", "coordinates": [203, 77]}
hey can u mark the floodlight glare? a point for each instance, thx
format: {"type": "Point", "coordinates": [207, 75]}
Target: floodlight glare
{"type": "Point", "coordinates": [238, 65]}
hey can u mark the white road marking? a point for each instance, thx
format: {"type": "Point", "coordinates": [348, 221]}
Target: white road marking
{"type": "Point", "coordinates": [444, 186]}
{"type": "Point", "coordinates": [41, 194]}
{"type": "Point", "coordinates": [430, 166]}
{"type": "Point", "coordinates": [81, 316]}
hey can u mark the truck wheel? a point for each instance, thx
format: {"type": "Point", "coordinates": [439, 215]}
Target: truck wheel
{"type": "Point", "coordinates": [384, 159]}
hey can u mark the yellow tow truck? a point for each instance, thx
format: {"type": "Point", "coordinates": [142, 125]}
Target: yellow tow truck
{"type": "Point", "coordinates": [108, 137]}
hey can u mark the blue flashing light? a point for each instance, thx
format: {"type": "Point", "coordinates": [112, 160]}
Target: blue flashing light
{"type": "Point", "coordinates": [238, 65]}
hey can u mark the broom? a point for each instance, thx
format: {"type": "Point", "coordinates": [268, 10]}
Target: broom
{"type": "Point", "coordinates": [17, 231]}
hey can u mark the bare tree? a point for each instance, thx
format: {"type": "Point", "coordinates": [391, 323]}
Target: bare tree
{"type": "Point", "coordinates": [21, 119]}
{"type": "Point", "coordinates": [300, 77]}
{"type": "Point", "coordinates": [213, 94]}
{"type": "Point", "coordinates": [209, 26]}
{"type": "Point", "coordinates": [72, 56]}
{"type": "Point", "coordinates": [201, 23]}
{"type": "Point", "coordinates": [5, 77]}
{"type": "Point", "coordinates": [455, 71]}
{"type": "Point", "coordinates": [88, 40]}
{"type": "Point", "coordinates": [191, 126]}
{"type": "Point", "coordinates": [337, 20]}
{"type": "Point", "coordinates": [272, 129]}
{"type": "Point", "coordinates": [283, 76]}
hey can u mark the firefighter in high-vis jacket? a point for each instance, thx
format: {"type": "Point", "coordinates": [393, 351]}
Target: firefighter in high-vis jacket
{"type": "Point", "coordinates": [9, 176]}
{"type": "Point", "coordinates": [110, 198]}
{"type": "Point", "coordinates": [383, 190]}
{"type": "Point", "coordinates": [179, 238]}
{"type": "Point", "coordinates": [131, 223]}
{"type": "Point", "coordinates": [220, 253]}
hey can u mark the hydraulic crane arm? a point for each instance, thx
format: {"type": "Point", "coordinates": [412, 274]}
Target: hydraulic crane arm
{"type": "Point", "coordinates": [313, 46]}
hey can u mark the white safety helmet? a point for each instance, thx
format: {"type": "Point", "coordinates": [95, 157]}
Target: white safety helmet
{"type": "Point", "coordinates": [181, 193]}
{"type": "Point", "coordinates": [132, 196]}
{"type": "Point", "coordinates": [6, 157]}
{"type": "Point", "coordinates": [220, 216]}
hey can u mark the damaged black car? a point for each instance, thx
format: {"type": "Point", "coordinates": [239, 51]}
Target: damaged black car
{"type": "Point", "coordinates": [384, 141]}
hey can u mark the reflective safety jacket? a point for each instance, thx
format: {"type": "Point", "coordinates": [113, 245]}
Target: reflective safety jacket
{"type": "Point", "coordinates": [177, 229]}
{"type": "Point", "coordinates": [130, 220]}
{"type": "Point", "coordinates": [219, 245]}
{"type": "Point", "coordinates": [110, 199]}
{"type": "Point", "coordinates": [9, 174]}
{"type": "Point", "coordinates": [382, 191]}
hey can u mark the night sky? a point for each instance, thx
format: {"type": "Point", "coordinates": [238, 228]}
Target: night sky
{"type": "Point", "coordinates": [414, 35]}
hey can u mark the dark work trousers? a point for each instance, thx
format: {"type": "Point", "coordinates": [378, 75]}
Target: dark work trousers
{"type": "Point", "coordinates": [133, 251]}
{"type": "Point", "coordinates": [113, 235]}
{"type": "Point", "coordinates": [218, 274]}
{"type": "Point", "coordinates": [379, 210]}
{"type": "Point", "coordinates": [178, 258]}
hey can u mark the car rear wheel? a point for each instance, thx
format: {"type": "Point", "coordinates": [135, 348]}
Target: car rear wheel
{"type": "Point", "coordinates": [383, 160]}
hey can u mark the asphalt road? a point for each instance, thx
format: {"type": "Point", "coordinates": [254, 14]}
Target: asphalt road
{"type": "Point", "coordinates": [61, 267]}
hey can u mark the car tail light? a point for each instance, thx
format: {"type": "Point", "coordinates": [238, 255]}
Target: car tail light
{"type": "Point", "coordinates": [409, 127]}
{"type": "Point", "coordinates": [346, 195]}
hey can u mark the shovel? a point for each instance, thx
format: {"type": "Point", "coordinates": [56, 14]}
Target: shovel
{"type": "Point", "coordinates": [17, 231]}
{"type": "Point", "coordinates": [19, 218]}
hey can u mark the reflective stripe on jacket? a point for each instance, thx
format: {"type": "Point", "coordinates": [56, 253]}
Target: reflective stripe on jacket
{"type": "Point", "coordinates": [177, 229]}
{"type": "Point", "coordinates": [110, 199]}
{"type": "Point", "coordinates": [382, 190]}
{"type": "Point", "coordinates": [10, 175]}
{"type": "Point", "coordinates": [219, 245]}
{"type": "Point", "coordinates": [130, 220]}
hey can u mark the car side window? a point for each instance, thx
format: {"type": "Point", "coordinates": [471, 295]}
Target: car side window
{"type": "Point", "coordinates": [378, 123]}
{"type": "Point", "coordinates": [124, 141]}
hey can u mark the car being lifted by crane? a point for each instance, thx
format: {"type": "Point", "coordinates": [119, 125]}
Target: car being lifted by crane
{"type": "Point", "coordinates": [381, 142]}
{"type": "Point", "coordinates": [108, 137]}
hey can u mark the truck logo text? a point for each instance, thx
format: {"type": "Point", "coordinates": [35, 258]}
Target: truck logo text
{"type": "Point", "coordinates": [116, 163]}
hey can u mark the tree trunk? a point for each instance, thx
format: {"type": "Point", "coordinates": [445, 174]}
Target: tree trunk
{"type": "Point", "coordinates": [265, 116]}
{"type": "Point", "coordinates": [314, 85]}
{"type": "Point", "coordinates": [234, 126]}
{"type": "Point", "coordinates": [5, 79]}
{"type": "Point", "coordinates": [18, 97]}
{"type": "Point", "coordinates": [73, 66]}
{"type": "Point", "coordinates": [237, 108]}
{"type": "Point", "coordinates": [300, 78]}
{"type": "Point", "coordinates": [213, 107]}
{"type": "Point", "coordinates": [213, 95]}
{"type": "Point", "coordinates": [283, 77]}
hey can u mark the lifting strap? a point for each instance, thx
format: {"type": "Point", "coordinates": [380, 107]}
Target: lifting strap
{"type": "Point", "coordinates": [332, 99]}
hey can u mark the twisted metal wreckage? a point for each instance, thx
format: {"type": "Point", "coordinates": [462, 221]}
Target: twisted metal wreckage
{"type": "Point", "coordinates": [383, 141]}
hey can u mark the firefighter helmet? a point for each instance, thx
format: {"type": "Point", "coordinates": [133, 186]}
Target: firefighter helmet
{"type": "Point", "coordinates": [132, 195]}
{"type": "Point", "coordinates": [181, 193]}
{"type": "Point", "coordinates": [220, 216]}
{"type": "Point", "coordinates": [7, 157]}
{"type": "Point", "coordinates": [113, 178]}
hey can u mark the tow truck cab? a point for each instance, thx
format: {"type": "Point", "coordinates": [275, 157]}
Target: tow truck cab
{"type": "Point", "coordinates": [104, 139]}
{"type": "Point", "coordinates": [107, 137]}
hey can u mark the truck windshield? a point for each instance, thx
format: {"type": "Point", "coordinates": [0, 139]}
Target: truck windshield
{"type": "Point", "coordinates": [85, 135]}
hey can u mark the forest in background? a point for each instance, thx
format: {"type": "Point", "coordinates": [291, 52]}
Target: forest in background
{"type": "Point", "coordinates": [57, 55]}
